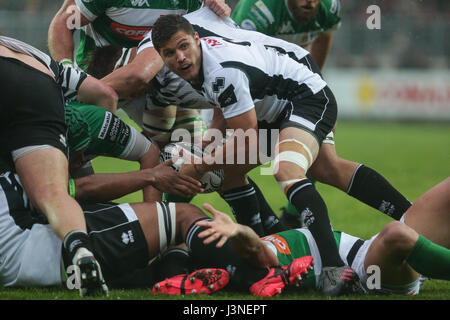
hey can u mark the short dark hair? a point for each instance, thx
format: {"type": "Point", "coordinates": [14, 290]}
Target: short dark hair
{"type": "Point", "coordinates": [166, 26]}
{"type": "Point", "coordinates": [102, 61]}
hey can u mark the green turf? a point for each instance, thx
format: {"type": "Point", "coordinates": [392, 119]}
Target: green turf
{"type": "Point", "coordinates": [412, 156]}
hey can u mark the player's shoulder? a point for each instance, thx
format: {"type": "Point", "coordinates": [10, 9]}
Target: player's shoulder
{"type": "Point", "coordinates": [109, 3]}
{"type": "Point", "coordinates": [331, 8]}
{"type": "Point", "coordinates": [328, 16]}
{"type": "Point", "coordinates": [215, 50]}
{"type": "Point", "coordinates": [259, 14]}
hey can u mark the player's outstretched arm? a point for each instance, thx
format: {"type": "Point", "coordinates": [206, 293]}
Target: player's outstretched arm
{"type": "Point", "coordinates": [244, 240]}
{"type": "Point", "coordinates": [60, 41]}
{"type": "Point", "coordinates": [109, 186]}
{"type": "Point", "coordinates": [132, 79]}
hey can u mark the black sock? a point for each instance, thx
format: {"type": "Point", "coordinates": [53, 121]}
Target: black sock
{"type": "Point", "coordinates": [271, 223]}
{"type": "Point", "coordinates": [72, 242]}
{"type": "Point", "coordinates": [304, 196]}
{"type": "Point", "coordinates": [245, 207]}
{"type": "Point", "coordinates": [242, 274]}
{"type": "Point", "coordinates": [370, 187]}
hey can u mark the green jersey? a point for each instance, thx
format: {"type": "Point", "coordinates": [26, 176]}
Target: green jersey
{"type": "Point", "coordinates": [95, 131]}
{"type": "Point", "coordinates": [98, 132]}
{"type": "Point", "coordinates": [123, 22]}
{"type": "Point", "coordinates": [296, 243]}
{"type": "Point", "coordinates": [272, 17]}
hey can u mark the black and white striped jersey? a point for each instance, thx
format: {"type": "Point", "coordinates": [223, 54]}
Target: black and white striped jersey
{"type": "Point", "coordinates": [278, 67]}
{"type": "Point", "coordinates": [67, 77]}
{"type": "Point", "coordinates": [15, 203]}
{"type": "Point", "coordinates": [239, 77]}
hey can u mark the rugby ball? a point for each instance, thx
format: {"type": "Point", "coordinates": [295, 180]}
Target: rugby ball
{"type": "Point", "coordinates": [211, 180]}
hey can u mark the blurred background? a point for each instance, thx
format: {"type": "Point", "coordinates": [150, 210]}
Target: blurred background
{"type": "Point", "coordinates": [399, 72]}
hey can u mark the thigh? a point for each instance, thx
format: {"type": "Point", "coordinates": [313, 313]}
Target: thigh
{"type": "Point", "coordinates": [302, 143]}
{"type": "Point", "coordinates": [117, 238]}
{"type": "Point", "coordinates": [394, 270]}
{"type": "Point", "coordinates": [430, 214]}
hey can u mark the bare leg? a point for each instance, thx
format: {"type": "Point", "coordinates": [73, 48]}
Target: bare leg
{"type": "Point", "coordinates": [44, 174]}
{"type": "Point", "coordinates": [430, 214]}
{"type": "Point", "coordinates": [329, 168]}
{"type": "Point", "coordinates": [389, 252]}
{"type": "Point", "coordinates": [147, 214]}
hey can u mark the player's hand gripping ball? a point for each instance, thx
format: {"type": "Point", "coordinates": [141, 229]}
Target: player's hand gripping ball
{"type": "Point", "coordinates": [211, 180]}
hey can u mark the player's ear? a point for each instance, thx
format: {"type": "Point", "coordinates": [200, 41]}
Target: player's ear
{"type": "Point", "coordinates": [197, 38]}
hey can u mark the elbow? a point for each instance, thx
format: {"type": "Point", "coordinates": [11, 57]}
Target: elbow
{"type": "Point", "coordinates": [110, 100]}
{"type": "Point", "coordinates": [107, 98]}
{"type": "Point", "coordinates": [139, 79]}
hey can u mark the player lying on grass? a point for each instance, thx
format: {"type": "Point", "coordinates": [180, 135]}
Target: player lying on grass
{"type": "Point", "coordinates": [402, 251]}
{"type": "Point", "coordinates": [124, 238]}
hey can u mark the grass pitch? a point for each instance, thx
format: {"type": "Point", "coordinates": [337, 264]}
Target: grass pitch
{"type": "Point", "coordinates": [412, 156]}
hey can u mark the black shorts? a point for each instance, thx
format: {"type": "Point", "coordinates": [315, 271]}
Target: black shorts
{"type": "Point", "coordinates": [117, 239]}
{"type": "Point", "coordinates": [31, 107]}
{"type": "Point", "coordinates": [316, 113]}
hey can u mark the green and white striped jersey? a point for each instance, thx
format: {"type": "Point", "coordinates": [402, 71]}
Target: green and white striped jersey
{"type": "Point", "coordinates": [95, 131]}
{"type": "Point", "coordinates": [272, 17]}
{"type": "Point", "coordinates": [123, 22]}
{"type": "Point", "coordinates": [296, 243]}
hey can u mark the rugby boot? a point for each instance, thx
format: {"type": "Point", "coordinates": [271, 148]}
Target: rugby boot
{"type": "Point", "coordinates": [89, 274]}
{"type": "Point", "coordinates": [336, 281]}
{"type": "Point", "coordinates": [280, 277]}
{"type": "Point", "coordinates": [202, 281]}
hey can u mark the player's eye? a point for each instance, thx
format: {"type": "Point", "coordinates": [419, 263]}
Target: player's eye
{"type": "Point", "coordinates": [168, 53]}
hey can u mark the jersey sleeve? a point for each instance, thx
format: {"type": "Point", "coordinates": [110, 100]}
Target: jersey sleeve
{"type": "Point", "coordinates": [91, 9]}
{"type": "Point", "coordinates": [110, 136]}
{"type": "Point", "coordinates": [145, 43]}
{"type": "Point", "coordinates": [256, 15]}
{"type": "Point", "coordinates": [332, 14]}
{"type": "Point", "coordinates": [229, 89]}
{"type": "Point", "coordinates": [70, 80]}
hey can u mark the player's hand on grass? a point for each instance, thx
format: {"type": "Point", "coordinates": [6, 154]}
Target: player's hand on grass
{"type": "Point", "coordinates": [168, 180]}
{"type": "Point", "coordinates": [221, 227]}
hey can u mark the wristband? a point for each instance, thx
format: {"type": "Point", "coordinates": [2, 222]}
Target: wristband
{"type": "Point", "coordinates": [72, 188]}
{"type": "Point", "coordinates": [66, 62]}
